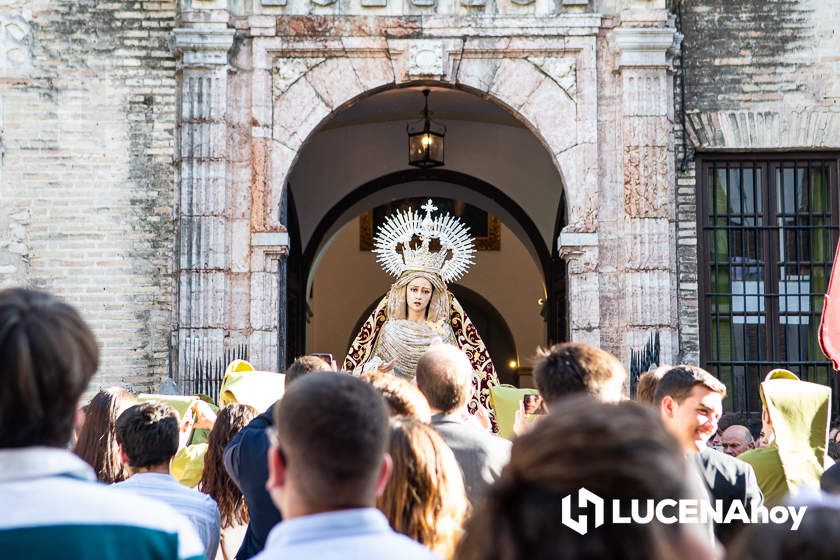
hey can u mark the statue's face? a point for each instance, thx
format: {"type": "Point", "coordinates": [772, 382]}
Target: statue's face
{"type": "Point", "coordinates": [418, 293]}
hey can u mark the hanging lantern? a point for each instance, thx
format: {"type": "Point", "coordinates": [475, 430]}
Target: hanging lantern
{"type": "Point", "coordinates": [425, 140]}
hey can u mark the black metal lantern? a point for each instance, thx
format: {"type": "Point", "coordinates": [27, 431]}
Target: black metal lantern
{"type": "Point", "coordinates": [425, 140]}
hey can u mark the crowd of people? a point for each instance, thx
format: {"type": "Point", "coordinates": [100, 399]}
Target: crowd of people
{"type": "Point", "coordinates": [375, 465]}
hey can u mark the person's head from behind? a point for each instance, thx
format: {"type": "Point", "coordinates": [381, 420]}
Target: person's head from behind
{"type": "Point", "coordinates": [425, 497]}
{"type": "Point", "coordinates": [445, 377]}
{"type": "Point", "coordinates": [571, 368]}
{"type": "Point", "coordinates": [328, 446]}
{"type": "Point", "coordinates": [49, 355]}
{"type": "Point", "coordinates": [830, 479]}
{"type": "Point", "coordinates": [646, 385]}
{"type": "Point", "coordinates": [215, 481]}
{"type": "Point", "coordinates": [618, 451]}
{"type": "Point", "coordinates": [97, 443]}
{"type": "Point", "coordinates": [816, 538]}
{"type": "Point", "coordinates": [148, 436]}
{"type": "Point", "coordinates": [402, 397]}
{"type": "Point", "coordinates": [303, 365]}
{"type": "Point", "coordinates": [736, 439]}
{"type": "Point", "coordinates": [690, 404]}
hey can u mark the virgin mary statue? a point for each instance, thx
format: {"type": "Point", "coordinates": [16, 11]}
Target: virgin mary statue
{"type": "Point", "coordinates": [423, 254]}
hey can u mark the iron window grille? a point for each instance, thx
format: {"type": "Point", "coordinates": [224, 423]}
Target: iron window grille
{"type": "Point", "coordinates": [769, 229]}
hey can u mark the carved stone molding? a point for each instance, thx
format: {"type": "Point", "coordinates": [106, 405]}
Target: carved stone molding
{"type": "Point", "coordinates": [644, 47]}
{"type": "Point", "coordinates": [802, 127]}
{"type": "Point", "coordinates": [425, 58]}
{"type": "Point", "coordinates": [202, 47]}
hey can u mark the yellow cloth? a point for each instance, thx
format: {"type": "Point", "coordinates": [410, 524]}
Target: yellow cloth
{"type": "Point", "coordinates": [242, 384]}
{"type": "Point", "coordinates": [799, 412]}
{"type": "Point", "coordinates": [188, 464]}
{"type": "Point", "coordinates": [769, 473]}
{"type": "Point", "coordinates": [182, 405]}
{"type": "Point", "coordinates": [505, 401]}
{"type": "Point", "coordinates": [185, 407]}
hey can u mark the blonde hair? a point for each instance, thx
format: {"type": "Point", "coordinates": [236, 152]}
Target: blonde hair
{"type": "Point", "coordinates": [438, 305]}
{"type": "Point", "coordinates": [402, 397]}
{"type": "Point", "coordinates": [425, 497]}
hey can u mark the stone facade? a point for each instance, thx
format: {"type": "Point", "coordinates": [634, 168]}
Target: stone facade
{"type": "Point", "coordinates": [88, 110]}
{"type": "Point", "coordinates": [147, 146]}
{"type": "Point", "coordinates": [759, 77]}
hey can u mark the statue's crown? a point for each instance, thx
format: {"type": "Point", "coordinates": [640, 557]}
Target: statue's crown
{"type": "Point", "coordinates": [411, 241]}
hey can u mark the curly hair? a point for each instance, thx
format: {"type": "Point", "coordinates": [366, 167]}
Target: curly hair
{"type": "Point", "coordinates": [425, 497]}
{"type": "Point", "coordinates": [97, 443]}
{"type": "Point", "coordinates": [215, 481]}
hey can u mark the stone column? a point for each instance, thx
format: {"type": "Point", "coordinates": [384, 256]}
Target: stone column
{"type": "Point", "coordinates": [580, 251]}
{"type": "Point", "coordinates": [644, 44]}
{"type": "Point", "coordinates": [203, 256]}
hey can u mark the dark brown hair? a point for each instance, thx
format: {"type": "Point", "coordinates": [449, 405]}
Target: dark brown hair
{"type": "Point", "coordinates": [679, 381]}
{"type": "Point", "coordinates": [148, 433]}
{"type": "Point", "coordinates": [817, 538]}
{"type": "Point", "coordinates": [402, 397]}
{"type": "Point", "coordinates": [425, 497]}
{"type": "Point", "coordinates": [570, 368]}
{"type": "Point", "coordinates": [332, 430]}
{"type": "Point", "coordinates": [617, 451]}
{"type": "Point", "coordinates": [215, 480]}
{"type": "Point", "coordinates": [49, 355]}
{"type": "Point", "coordinates": [97, 443]}
{"type": "Point", "coordinates": [302, 366]}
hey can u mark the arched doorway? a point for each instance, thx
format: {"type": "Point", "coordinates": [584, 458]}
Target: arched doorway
{"type": "Point", "coordinates": [493, 162]}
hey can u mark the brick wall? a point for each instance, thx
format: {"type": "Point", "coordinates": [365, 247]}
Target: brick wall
{"type": "Point", "coordinates": [88, 121]}
{"type": "Point", "coordinates": [759, 75]}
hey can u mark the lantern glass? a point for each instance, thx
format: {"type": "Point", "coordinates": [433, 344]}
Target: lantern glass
{"type": "Point", "coordinates": [425, 149]}
{"type": "Point", "coordinates": [425, 139]}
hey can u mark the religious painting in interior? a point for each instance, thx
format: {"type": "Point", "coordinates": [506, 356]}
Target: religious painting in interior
{"type": "Point", "coordinates": [484, 226]}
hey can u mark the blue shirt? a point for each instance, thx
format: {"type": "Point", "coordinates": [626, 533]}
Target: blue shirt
{"type": "Point", "coordinates": [52, 507]}
{"type": "Point", "coordinates": [361, 533]}
{"type": "Point", "coordinates": [199, 508]}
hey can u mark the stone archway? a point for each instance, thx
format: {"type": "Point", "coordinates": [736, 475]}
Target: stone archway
{"type": "Point", "coordinates": [547, 83]}
{"type": "Point", "coordinates": [251, 98]}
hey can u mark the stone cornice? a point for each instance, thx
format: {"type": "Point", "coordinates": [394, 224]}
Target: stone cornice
{"type": "Point", "coordinates": [202, 47]}
{"type": "Point", "coordinates": [765, 129]}
{"type": "Point", "coordinates": [644, 47]}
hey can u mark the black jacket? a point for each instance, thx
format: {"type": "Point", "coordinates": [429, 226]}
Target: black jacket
{"type": "Point", "coordinates": [245, 461]}
{"type": "Point", "coordinates": [728, 479]}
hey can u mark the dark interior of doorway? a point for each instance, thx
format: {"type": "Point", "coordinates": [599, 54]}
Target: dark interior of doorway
{"type": "Point", "coordinates": [300, 260]}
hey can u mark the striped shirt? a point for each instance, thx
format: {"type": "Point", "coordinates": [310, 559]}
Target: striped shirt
{"type": "Point", "coordinates": [199, 508]}
{"type": "Point", "coordinates": [52, 507]}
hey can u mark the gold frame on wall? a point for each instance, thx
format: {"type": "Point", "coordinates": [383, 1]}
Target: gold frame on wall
{"type": "Point", "coordinates": [491, 242]}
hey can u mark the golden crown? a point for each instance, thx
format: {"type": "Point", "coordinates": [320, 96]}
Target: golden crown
{"type": "Point", "coordinates": [411, 241]}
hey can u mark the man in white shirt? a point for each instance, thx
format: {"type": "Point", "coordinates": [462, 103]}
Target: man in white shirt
{"type": "Point", "coordinates": [52, 506]}
{"type": "Point", "coordinates": [148, 437]}
{"type": "Point", "coordinates": [326, 465]}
